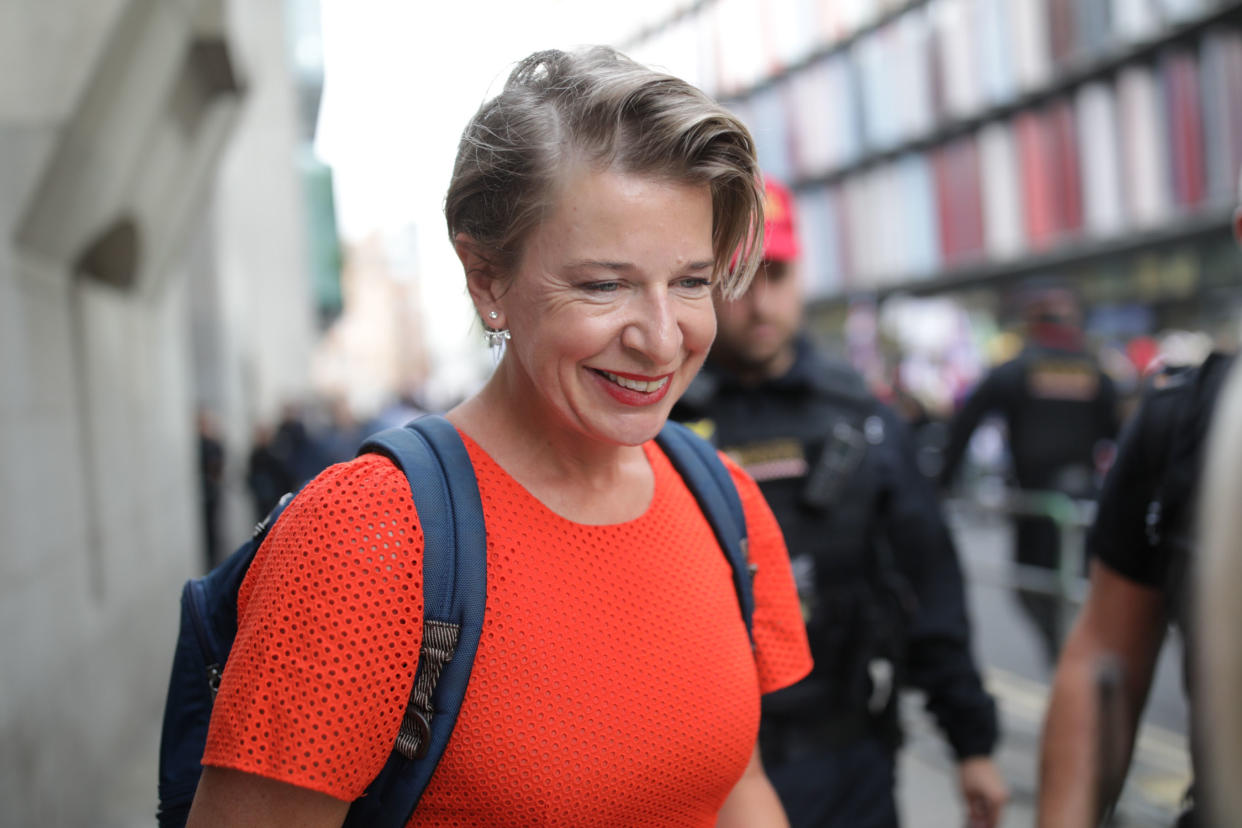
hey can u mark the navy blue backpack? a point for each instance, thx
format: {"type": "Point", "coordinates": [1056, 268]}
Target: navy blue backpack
{"type": "Point", "coordinates": [430, 453]}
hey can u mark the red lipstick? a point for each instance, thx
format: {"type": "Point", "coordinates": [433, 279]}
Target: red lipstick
{"type": "Point", "coordinates": [657, 387]}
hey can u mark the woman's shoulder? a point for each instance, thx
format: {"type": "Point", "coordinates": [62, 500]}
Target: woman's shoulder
{"type": "Point", "coordinates": [351, 513]}
{"type": "Point", "coordinates": [366, 482]}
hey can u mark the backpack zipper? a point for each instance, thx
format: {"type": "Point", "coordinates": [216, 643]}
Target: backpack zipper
{"type": "Point", "coordinates": [215, 670]}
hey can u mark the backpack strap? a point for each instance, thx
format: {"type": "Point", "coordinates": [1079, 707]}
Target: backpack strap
{"type": "Point", "coordinates": [431, 454]}
{"type": "Point", "coordinates": [700, 467]}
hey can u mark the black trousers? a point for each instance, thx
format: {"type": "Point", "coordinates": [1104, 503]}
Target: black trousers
{"type": "Point", "coordinates": [1038, 543]}
{"type": "Point", "coordinates": [842, 787]}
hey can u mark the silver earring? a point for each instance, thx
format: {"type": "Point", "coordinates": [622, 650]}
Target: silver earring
{"type": "Point", "coordinates": [493, 315]}
{"type": "Point", "coordinates": [496, 340]}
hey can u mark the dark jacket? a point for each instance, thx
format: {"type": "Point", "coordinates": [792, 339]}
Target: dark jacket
{"type": "Point", "coordinates": [1057, 405]}
{"type": "Point", "coordinates": [875, 565]}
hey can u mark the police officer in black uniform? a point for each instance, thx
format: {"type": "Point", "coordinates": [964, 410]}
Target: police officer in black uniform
{"type": "Point", "coordinates": [1059, 408]}
{"type": "Point", "coordinates": [1143, 549]}
{"type": "Point", "coordinates": [877, 572]}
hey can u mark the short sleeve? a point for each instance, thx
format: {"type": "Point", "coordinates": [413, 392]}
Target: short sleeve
{"type": "Point", "coordinates": [329, 629]}
{"type": "Point", "coordinates": [1118, 535]}
{"type": "Point", "coordinates": [782, 654]}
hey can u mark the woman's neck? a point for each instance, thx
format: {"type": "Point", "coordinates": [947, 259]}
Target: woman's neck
{"type": "Point", "coordinates": [577, 477]}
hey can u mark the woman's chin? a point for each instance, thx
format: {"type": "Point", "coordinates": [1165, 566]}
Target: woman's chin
{"type": "Point", "coordinates": [633, 429]}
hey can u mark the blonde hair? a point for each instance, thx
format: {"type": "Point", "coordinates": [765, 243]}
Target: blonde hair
{"type": "Point", "coordinates": [600, 107]}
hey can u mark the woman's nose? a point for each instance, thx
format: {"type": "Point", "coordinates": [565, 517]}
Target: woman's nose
{"type": "Point", "coordinates": [654, 330]}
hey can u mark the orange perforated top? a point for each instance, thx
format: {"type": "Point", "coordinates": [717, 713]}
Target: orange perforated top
{"type": "Point", "coordinates": [613, 685]}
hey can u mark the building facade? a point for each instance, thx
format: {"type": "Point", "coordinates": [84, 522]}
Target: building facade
{"type": "Point", "coordinates": [153, 259]}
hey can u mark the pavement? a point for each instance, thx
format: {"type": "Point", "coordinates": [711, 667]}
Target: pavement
{"type": "Point", "coordinates": [927, 783]}
{"type": "Point", "coordinates": [1018, 679]}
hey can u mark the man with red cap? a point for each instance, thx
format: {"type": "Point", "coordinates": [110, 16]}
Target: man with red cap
{"type": "Point", "coordinates": [877, 571]}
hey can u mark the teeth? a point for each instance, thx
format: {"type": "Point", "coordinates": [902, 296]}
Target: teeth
{"type": "Point", "coordinates": [637, 385]}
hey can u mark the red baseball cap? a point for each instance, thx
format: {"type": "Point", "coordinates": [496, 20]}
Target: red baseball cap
{"type": "Point", "coordinates": [780, 233]}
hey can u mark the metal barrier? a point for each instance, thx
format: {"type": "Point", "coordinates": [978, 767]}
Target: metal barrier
{"type": "Point", "coordinates": [1071, 516]}
{"type": "Point", "coordinates": [1162, 754]}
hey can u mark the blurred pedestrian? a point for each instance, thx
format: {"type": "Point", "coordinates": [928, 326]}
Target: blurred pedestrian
{"type": "Point", "coordinates": [397, 412]}
{"type": "Point", "coordinates": [267, 477]}
{"type": "Point", "coordinates": [1059, 409]}
{"type": "Point", "coordinates": [294, 447]}
{"type": "Point", "coordinates": [342, 436]}
{"type": "Point", "coordinates": [877, 572]}
{"type": "Point", "coordinates": [210, 482]}
{"type": "Point", "coordinates": [596, 206]}
{"type": "Point", "coordinates": [1143, 549]}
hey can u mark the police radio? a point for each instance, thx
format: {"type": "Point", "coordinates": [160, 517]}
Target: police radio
{"type": "Point", "coordinates": [842, 454]}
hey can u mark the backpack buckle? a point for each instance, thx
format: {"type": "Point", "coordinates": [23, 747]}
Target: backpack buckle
{"type": "Point", "coordinates": [414, 736]}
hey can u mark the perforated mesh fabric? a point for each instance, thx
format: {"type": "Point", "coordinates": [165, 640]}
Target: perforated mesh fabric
{"type": "Point", "coordinates": [614, 684]}
{"type": "Point", "coordinates": [328, 635]}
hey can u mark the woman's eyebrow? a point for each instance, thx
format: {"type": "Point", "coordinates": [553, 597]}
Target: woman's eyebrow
{"type": "Point", "coordinates": [598, 264]}
{"type": "Point", "coordinates": [621, 267]}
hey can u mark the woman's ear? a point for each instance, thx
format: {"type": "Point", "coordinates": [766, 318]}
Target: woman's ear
{"type": "Point", "coordinates": [483, 278]}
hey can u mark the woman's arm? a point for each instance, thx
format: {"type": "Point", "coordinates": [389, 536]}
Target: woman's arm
{"type": "Point", "coordinates": [234, 799]}
{"type": "Point", "coordinates": [753, 802]}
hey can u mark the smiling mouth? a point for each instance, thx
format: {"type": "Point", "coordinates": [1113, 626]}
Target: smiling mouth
{"type": "Point", "coordinates": [641, 386]}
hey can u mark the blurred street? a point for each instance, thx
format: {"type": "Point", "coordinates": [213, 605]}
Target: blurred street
{"type": "Point", "coordinates": [1009, 653]}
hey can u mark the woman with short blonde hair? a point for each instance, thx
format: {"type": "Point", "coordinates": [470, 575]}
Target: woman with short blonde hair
{"type": "Point", "coordinates": [596, 206]}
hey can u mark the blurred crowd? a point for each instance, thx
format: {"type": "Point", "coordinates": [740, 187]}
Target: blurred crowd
{"type": "Point", "coordinates": [283, 455]}
{"type": "Point", "coordinates": [924, 355]}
